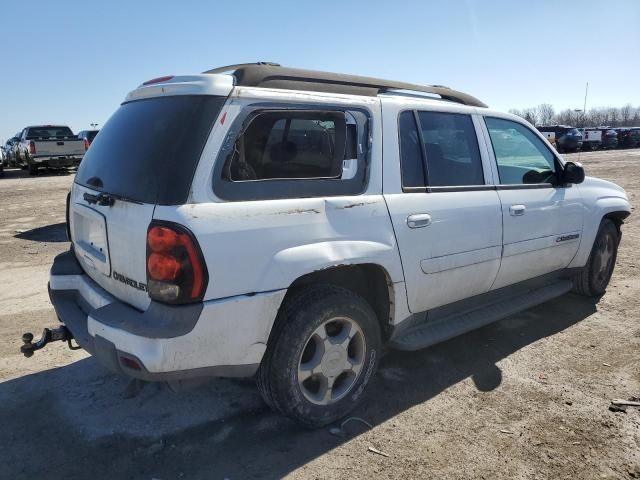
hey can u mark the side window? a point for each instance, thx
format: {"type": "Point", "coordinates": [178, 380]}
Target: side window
{"type": "Point", "coordinates": [521, 156]}
{"type": "Point", "coordinates": [288, 152]}
{"type": "Point", "coordinates": [451, 146]}
{"type": "Point", "coordinates": [411, 163]}
{"type": "Point", "coordinates": [290, 145]}
{"type": "Point", "coordinates": [451, 149]}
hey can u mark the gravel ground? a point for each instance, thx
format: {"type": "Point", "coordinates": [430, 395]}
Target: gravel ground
{"type": "Point", "coordinates": [524, 398]}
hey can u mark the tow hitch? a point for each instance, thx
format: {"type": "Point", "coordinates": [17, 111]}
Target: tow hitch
{"type": "Point", "coordinates": [61, 333]}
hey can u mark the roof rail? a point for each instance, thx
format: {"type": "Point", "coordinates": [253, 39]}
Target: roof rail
{"type": "Point", "coordinates": [272, 75]}
{"type": "Point", "coordinates": [236, 66]}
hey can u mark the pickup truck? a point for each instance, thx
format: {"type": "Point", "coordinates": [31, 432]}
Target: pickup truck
{"type": "Point", "coordinates": [48, 146]}
{"type": "Point", "coordinates": [285, 224]}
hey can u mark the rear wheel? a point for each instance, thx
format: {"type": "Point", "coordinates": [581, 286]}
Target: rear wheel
{"type": "Point", "coordinates": [321, 356]}
{"type": "Point", "coordinates": [33, 169]}
{"type": "Point", "coordinates": [594, 277]}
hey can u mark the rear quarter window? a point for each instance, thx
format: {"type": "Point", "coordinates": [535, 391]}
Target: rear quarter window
{"type": "Point", "coordinates": [293, 152]}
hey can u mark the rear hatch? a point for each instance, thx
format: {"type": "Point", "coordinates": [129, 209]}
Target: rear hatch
{"type": "Point", "coordinates": [145, 155]}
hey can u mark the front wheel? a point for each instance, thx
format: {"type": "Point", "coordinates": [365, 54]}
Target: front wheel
{"type": "Point", "coordinates": [322, 354]}
{"type": "Point", "coordinates": [594, 277]}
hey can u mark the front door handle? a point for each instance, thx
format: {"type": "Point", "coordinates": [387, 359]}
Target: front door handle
{"type": "Point", "coordinates": [517, 210]}
{"type": "Point", "coordinates": [418, 220]}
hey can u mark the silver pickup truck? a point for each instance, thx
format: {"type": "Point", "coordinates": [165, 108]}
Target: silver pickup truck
{"type": "Point", "coordinates": [48, 146]}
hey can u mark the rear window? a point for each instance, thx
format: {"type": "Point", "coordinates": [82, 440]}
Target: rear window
{"type": "Point", "coordinates": [149, 149]}
{"type": "Point", "coordinates": [91, 135]}
{"type": "Point", "coordinates": [45, 133]}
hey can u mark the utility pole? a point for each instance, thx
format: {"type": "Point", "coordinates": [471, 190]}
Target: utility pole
{"type": "Point", "coordinates": [584, 108]}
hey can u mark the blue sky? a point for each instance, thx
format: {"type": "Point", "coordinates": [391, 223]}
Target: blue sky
{"type": "Point", "coordinates": [73, 62]}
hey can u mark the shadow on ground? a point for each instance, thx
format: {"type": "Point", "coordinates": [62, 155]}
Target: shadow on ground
{"type": "Point", "coordinates": [43, 172]}
{"type": "Point", "coordinates": [50, 233]}
{"type": "Point", "coordinates": [73, 422]}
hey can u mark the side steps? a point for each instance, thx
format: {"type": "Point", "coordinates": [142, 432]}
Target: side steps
{"type": "Point", "coordinates": [429, 333]}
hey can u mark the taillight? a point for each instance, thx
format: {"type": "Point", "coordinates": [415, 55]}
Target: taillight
{"type": "Point", "coordinates": [32, 147]}
{"type": "Point", "coordinates": [68, 225]}
{"type": "Point", "coordinates": [86, 144]}
{"type": "Point", "coordinates": [176, 272]}
{"type": "Point", "coordinates": [158, 80]}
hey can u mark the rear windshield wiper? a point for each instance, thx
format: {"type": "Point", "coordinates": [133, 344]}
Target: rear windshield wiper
{"type": "Point", "coordinates": [106, 199]}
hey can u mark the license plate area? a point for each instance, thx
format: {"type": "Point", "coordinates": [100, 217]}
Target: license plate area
{"type": "Point", "coordinates": [90, 239]}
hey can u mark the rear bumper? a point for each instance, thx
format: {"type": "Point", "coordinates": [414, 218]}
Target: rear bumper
{"type": "Point", "coordinates": [57, 161]}
{"type": "Point", "coordinates": [223, 338]}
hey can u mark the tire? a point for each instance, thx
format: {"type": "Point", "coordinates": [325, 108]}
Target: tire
{"type": "Point", "coordinates": [593, 279]}
{"type": "Point", "coordinates": [33, 169]}
{"type": "Point", "coordinates": [296, 349]}
{"type": "Point", "coordinates": [1, 171]}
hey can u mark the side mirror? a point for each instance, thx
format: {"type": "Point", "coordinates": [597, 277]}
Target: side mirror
{"type": "Point", "coordinates": [573, 173]}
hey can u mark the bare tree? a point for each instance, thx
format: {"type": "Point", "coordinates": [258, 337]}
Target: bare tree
{"type": "Point", "coordinates": [625, 115]}
{"type": "Point", "coordinates": [546, 113]}
{"type": "Point", "coordinates": [565, 117]}
{"type": "Point", "coordinates": [530, 115]}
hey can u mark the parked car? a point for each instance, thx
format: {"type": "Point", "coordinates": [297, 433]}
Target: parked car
{"type": "Point", "coordinates": [229, 225]}
{"type": "Point", "coordinates": [591, 138]}
{"type": "Point", "coordinates": [3, 159]}
{"type": "Point", "coordinates": [609, 138]}
{"type": "Point", "coordinates": [566, 139]}
{"type": "Point", "coordinates": [87, 137]}
{"type": "Point", "coordinates": [48, 146]}
{"type": "Point", "coordinates": [10, 150]}
{"type": "Point", "coordinates": [628, 138]}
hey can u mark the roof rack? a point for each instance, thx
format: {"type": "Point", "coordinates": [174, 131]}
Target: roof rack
{"type": "Point", "coordinates": [273, 75]}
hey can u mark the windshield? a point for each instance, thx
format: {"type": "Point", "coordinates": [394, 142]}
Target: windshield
{"type": "Point", "coordinates": [45, 133]}
{"type": "Point", "coordinates": [149, 149]}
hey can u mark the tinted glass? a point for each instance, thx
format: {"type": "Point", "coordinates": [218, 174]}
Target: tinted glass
{"type": "Point", "coordinates": [284, 145]}
{"type": "Point", "coordinates": [521, 156]}
{"type": "Point", "coordinates": [45, 133]}
{"type": "Point", "coordinates": [149, 149]}
{"type": "Point", "coordinates": [451, 146]}
{"type": "Point", "coordinates": [411, 162]}
{"type": "Point", "coordinates": [91, 134]}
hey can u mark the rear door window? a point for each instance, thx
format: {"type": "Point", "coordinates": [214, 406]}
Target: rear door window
{"type": "Point", "coordinates": [411, 162]}
{"type": "Point", "coordinates": [451, 147]}
{"type": "Point", "coordinates": [449, 144]}
{"type": "Point", "coordinates": [149, 149]}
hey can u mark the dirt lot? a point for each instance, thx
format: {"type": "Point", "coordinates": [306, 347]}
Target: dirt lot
{"type": "Point", "coordinates": [527, 397]}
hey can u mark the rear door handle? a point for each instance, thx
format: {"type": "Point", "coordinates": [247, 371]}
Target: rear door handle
{"type": "Point", "coordinates": [517, 210]}
{"type": "Point", "coordinates": [418, 220]}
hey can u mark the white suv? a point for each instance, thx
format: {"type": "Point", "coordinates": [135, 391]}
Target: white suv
{"type": "Point", "coordinates": [285, 224]}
